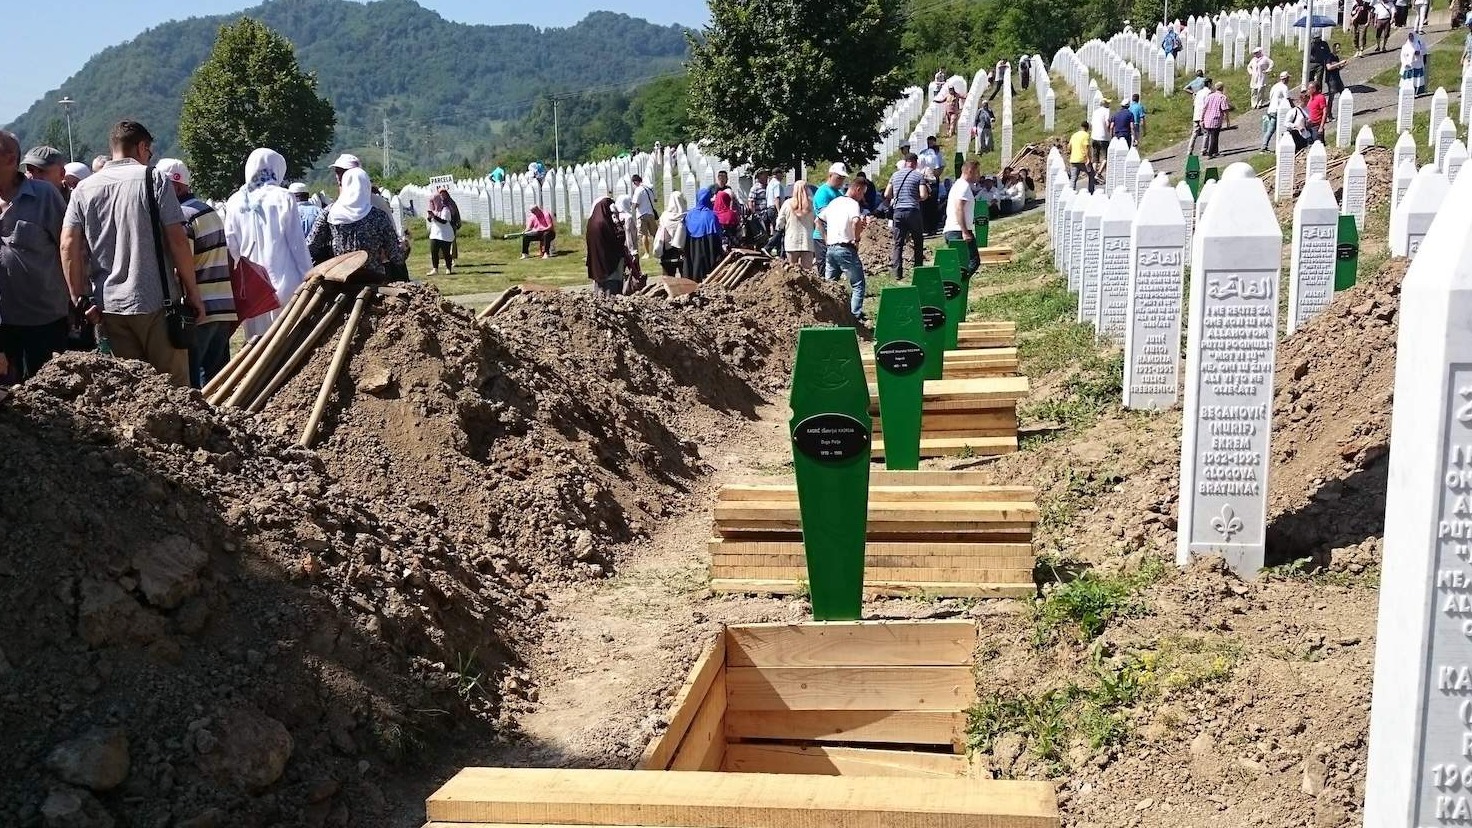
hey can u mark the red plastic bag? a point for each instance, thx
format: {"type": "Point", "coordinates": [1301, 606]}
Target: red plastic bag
{"type": "Point", "coordinates": [254, 293]}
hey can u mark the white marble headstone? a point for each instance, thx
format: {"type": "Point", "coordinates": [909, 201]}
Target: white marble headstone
{"type": "Point", "coordinates": [1131, 179]}
{"type": "Point", "coordinates": [1187, 202]}
{"type": "Point", "coordinates": [1405, 150]}
{"type": "Point", "coordinates": [1284, 168]}
{"type": "Point", "coordinates": [1093, 218]}
{"type": "Point", "coordinates": [1115, 226]}
{"type": "Point", "coordinates": [1231, 341]}
{"type": "Point", "coordinates": [1075, 235]}
{"type": "Point", "coordinates": [1417, 208]}
{"type": "Point", "coordinates": [1318, 160]}
{"type": "Point", "coordinates": [1445, 135]}
{"type": "Point", "coordinates": [1356, 182]}
{"type": "Point", "coordinates": [1144, 176]}
{"type": "Point", "coordinates": [1455, 158]}
{"type": "Point", "coordinates": [1153, 326]}
{"type": "Point", "coordinates": [1419, 730]}
{"type": "Point", "coordinates": [1364, 138]}
{"type": "Point", "coordinates": [1344, 120]}
{"type": "Point", "coordinates": [1315, 238]}
{"type": "Point", "coordinates": [1438, 114]}
{"type": "Point", "coordinates": [1405, 173]}
{"type": "Point", "coordinates": [1405, 107]}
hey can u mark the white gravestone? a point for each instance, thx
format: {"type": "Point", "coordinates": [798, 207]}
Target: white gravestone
{"type": "Point", "coordinates": [1060, 241]}
{"type": "Point", "coordinates": [1153, 327]}
{"type": "Point", "coordinates": [1115, 227]}
{"type": "Point", "coordinates": [575, 215]}
{"type": "Point", "coordinates": [1405, 173]}
{"type": "Point", "coordinates": [1438, 114]}
{"type": "Point", "coordinates": [1419, 205]}
{"type": "Point", "coordinates": [1318, 161]}
{"type": "Point", "coordinates": [1464, 96]}
{"type": "Point", "coordinates": [1283, 169]}
{"type": "Point", "coordinates": [1202, 201]}
{"type": "Point", "coordinates": [1455, 158]}
{"type": "Point", "coordinates": [1356, 182]}
{"type": "Point", "coordinates": [1076, 213]}
{"type": "Point", "coordinates": [1419, 730]}
{"type": "Point", "coordinates": [1070, 222]}
{"type": "Point", "coordinates": [1280, 125]}
{"type": "Point", "coordinates": [1130, 181]}
{"type": "Point", "coordinates": [1114, 158]}
{"type": "Point", "coordinates": [1405, 103]}
{"type": "Point", "coordinates": [1144, 176]}
{"type": "Point", "coordinates": [1088, 301]}
{"type": "Point", "coordinates": [1187, 202]}
{"type": "Point", "coordinates": [1344, 126]}
{"type": "Point", "coordinates": [483, 200]}
{"type": "Point", "coordinates": [1364, 138]}
{"type": "Point", "coordinates": [1445, 135]}
{"type": "Point", "coordinates": [1315, 241]}
{"type": "Point", "coordinates": [1405, 150]}
{"type": "Point", "coordinates": [1235, 264]}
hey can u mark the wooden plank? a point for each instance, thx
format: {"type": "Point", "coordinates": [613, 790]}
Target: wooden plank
{"type": "Point", "coordinates": [738, 800]}
{"type": "Point", "coordinates": [1008, 389]}
{"type": "Point", "coordinates": [890, 550]}
{"type": "Point", "coordinates": [798, 560]}
{"type": "Point", "coordinates": [849, 688]}
{"type": "Point", "coordinates": [704, 745]}
{"type": "Point", "coordinates": [851, 643]}
{"type": "Point", "coordinates": [658, 753]}
{"type": "Point", "coordinates": [732, 513]}
{"type": "Point", "coordinates": [970, 340]}
{"type": "Point", "coordinates": [841, 761]}
{"type": "Point", "coordinates": [1021, 575]}
{"type": "Point", "coordinates": [956, 446]}
{"type": "Point", "coordinates": [988, 325]}
{"type": "Point", "coordinates": [914, 727]}
{"type": "Point", "coordinates": [888, 589]}
{"type": "Point", "coordinates": [886, 477]}
{"type": "Point", "coordinates": [944, 530]}
{"type": "Point", "coordinates": [962, 420]}
{"type": "Point", "coordinates": [897, 492]}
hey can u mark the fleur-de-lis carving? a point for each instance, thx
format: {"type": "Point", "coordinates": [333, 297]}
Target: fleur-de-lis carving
{"type": "Point", "coordinates": [1227, 523]}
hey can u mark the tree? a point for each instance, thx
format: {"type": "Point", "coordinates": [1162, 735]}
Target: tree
{"type": "Point", "coordinates": [779, 82]}
{"type": "Point", "coordinates": [659, 112]}
{"type": "Point", "coordinates": [250, 93]}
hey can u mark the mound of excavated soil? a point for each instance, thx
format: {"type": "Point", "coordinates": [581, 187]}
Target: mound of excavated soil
{"type": "Point", "coordinates": [235, 639]}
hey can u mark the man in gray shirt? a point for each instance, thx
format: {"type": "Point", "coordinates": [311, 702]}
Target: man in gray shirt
{"type": "Point", "coordinates": [110, 259]}
{"type": "Point", "coordinates": [33, 292]}
{"type": "Point", "coordinates": [906, 192]}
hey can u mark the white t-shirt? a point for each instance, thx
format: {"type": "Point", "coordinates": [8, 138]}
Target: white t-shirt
{"type": "Point", "coordinates": [441, 230]}
{"type": "Point", "coordinates": [931, 162]}
{"type": "Point", "coordinates": [838, 217]}
{"type": "Point", "coordinates": [962, 199]}
{"type": "Point", "coordinates": [774, 192]}
{"type": "Point", "coordinates": [1099, 124]}
{"type": "Point", "coordinates": [1277, 96]}
{"type": "Point", "coordinates": [644, 200]}
{"type": "Point", "coordinates": [1382, 11]}
{"type": "Point", "coordinates": [1198, 104]}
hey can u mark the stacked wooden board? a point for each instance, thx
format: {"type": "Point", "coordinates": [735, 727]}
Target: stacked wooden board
{"type": "Point", "coordinates": [987, 335]}
{"type": "Point", "coordinates": [971, 364]}
{"type": "Point", "coordinates": [931, 533]}
{"type": "Point", "coordinates": [976, 417]}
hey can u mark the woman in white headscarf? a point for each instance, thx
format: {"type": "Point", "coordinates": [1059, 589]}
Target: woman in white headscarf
{"type": "Point", "coordinates": [669, 240]}
{"type": "Point", "coordinates": [623, 208]}
{"type": "Point", "coordinates": [352, 223]}
{"type": "Point", "coordinates": [262, 225]}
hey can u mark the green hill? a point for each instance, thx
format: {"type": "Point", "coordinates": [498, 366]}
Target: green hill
{"type": "Point", "coordinates": [443, 86]}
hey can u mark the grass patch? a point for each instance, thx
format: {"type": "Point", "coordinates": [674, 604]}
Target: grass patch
{"type": "Point", "coordinates": [1063, 726]}
{"type": "Point", "coordinates": [1081, 488]}
{"type": "Point", "coordinates": [1088, 604]}
{"type": "Point", "coordinates": [492, 265]}
{"type": "Point", "coordinates": [1090, 390]}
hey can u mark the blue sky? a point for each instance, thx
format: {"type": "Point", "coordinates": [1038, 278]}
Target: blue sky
{"type": "Point", "coordinates": [38, 64]}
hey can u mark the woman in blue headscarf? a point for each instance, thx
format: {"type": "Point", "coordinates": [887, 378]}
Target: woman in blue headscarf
{"type": "Point", "coordinates": [702, 237]}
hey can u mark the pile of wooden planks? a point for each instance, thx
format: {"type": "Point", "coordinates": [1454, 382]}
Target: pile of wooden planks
{"type": "Point", "coordinates": [933, 533]}
{"type": "Point", "coordinates": [959, 364]}
{"type": "Point", "coordinates": [971, 417]}
{"type": "Point", "coordinates": [987, 335]}
{"type": "Point", "coordinates": [669, 287]}
{"type": "Point", "coordinates": [739, 265]}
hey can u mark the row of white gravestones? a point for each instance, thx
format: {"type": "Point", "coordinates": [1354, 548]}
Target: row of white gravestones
{"type": "Point", "coordinates": [1116, 224]}
{"type": "Point", "coordinates": [1420, 728]}
{"type": "Point", "coordinates": [1315, 244]}
{"type": "Point", "coordinates": [1231, 343]}
{"type": "Point", "coordinates": [1412, 217]}
{"type": "Point", "coordinates": [1344, 126]}
{"type": "Point", "coordinates": [1153, 322]}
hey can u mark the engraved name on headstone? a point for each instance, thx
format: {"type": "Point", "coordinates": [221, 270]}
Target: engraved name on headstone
{"type": "Point", "coordinates": [1344, 125]}
{"type": "Point", "coordinates": [1115, 227]}
{"type": "Point", "coordinates": [1235, 265]}
{"type": "Point", "coordinates": [1405, 107]}
{"type": "Point", "coordinates": [1075, 238]}
{"type": "Point", "coordinates": [1356, 181]}
{"type": "Point", "coordinates": [1093, 251]}
{"type": "Point", "coordinates": [1315, 234]}
{"type": "Point", "coordinates": [1153, 327]}
{"type": "Point", "coordinates": [1445, 135]}
{"type": "Point", "coordinates": [1188, 213]}
{"type": "Point", "coordinates": [1283, 168]}
{"type": "Point", "coordinates": [1438, 114]}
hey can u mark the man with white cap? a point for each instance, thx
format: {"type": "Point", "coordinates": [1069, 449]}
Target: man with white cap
{"type": "Point", "coordinates": [347, 162]}
{"type": "Point", "coordinates": [304, 206]}
{"type": "Point", "coordinates": [829, 190]}
{"type": "Point", "coordinates": [1257, 75]}
{"type": "Point", "coordinates": [72, 175]}
{"type": "Point", "coordinates": [45, 164]}
{"type": "Point", "coordinates": [206, 232]}
{"type": "Point", "coordinates": [1278, 99]}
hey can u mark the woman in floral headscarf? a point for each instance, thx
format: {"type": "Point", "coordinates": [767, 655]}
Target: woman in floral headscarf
{"type": "Point", "coordinates": [262, 225]}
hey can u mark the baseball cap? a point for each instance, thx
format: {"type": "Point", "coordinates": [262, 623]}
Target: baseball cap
{"type": "Point", "coordinates": [78, 170]}
{"type": "Point", "coordinates": [838, 169]}
{"type": "Point", "coordinates": [43, 157]}
{"type": "Point", "coordinates": [1283, 76]}
{"type": "Point", "coordinates": [174, 169]}
{"type": "Point", "coordinates": [346, 162]}
{"type": "Point", "coordinates": [297, 187]}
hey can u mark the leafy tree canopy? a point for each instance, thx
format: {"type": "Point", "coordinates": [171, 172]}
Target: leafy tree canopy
{"type": "Point", "coordinates": [250, 93]}
{"type": "Point", "coordinates": [778, 82]}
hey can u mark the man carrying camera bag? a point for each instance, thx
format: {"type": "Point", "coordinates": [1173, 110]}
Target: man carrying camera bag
{"type": "Point", "coordinates": [126, 257]}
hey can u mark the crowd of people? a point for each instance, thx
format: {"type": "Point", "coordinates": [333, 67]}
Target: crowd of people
{"type": "Point", "coordinates": [122, 256]}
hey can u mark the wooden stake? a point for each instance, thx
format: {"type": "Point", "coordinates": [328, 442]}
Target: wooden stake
{"type": "Point", "coordinates": [344, 343]}
{"type": "Point", "coordinates": [300, 354]}
{"type": "Point", "coordinates": [219, 389]}
{"type": "Point", "coordinates": [270, 349]}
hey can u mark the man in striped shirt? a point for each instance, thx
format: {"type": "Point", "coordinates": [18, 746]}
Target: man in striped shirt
{"type": "Point", "coordinates": [206, 232]}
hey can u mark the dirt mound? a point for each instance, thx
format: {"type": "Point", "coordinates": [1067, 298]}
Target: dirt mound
{"type": "Point", "coordinates": [235, 639]}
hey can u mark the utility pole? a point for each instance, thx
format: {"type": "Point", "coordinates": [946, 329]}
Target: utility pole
{"type": "Point", "coordinates": [66, 106]}
{"type": "Point", "coordinates": [556, 140]}
{"type": "Point", "coordinates": [385, 148]}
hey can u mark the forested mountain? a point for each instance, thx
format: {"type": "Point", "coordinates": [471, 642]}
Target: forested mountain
{"type": "Point", "coordinates": [443, 86]}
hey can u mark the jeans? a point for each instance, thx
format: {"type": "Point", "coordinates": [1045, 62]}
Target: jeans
{"type": "Point", "coordinates": [970, 267]}
{"type": "Point", "coordinates": [1269, 129]}
{"type": "Point", "coordinates": [846, 259]}
{"type": "Point", "coordinates": [1084, 170]}
{"type": "Point", "coordinates": [611, 286]}
{"type": "Point", "coordinates": [210, 352]}
{"type": "Point", "coordinates": [28, 347]}
{"type": "Point", "coordinates": [1196, 133]}
{"type": "Point", "coordinates": [820, 256]}
{"type": "Point", "coordinates": [908, 227]}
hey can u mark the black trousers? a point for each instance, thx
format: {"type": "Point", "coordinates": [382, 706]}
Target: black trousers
{"type": "Point", "coordinates": [28, 347]}
{"type": "Point", "coordinates": [438, 249]}
{"type": "Point", "coordinates": [543, 237]}
{"type": "Point", "coordinates": [909, 226]}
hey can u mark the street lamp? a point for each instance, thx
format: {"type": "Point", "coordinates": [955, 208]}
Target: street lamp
{"type": "Point", "coordinates": [66, 106]}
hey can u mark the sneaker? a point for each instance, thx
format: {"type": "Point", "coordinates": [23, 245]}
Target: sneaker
{"type": "Point", "coordinates": [546, 255]}
{"type": "Point", "coordinates": [433, 271]}
{"type": "Point", "coordinates": [523, 255]}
